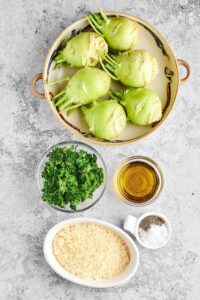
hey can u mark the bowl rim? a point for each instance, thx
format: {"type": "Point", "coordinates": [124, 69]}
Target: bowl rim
{"type": "Point", "coordinates": [38, 174]}
{"type": "Point", "coordinates": [148, 161]}
{"type": "Point", "coordinates": [51, 260]}
{"type": "Point", "coordinates": [79, 134]}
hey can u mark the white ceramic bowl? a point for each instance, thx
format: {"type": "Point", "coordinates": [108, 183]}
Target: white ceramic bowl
{"type": "Point", "coordinates": [132, 223]}
{"type": "Point", "coordinates": [118, 280]}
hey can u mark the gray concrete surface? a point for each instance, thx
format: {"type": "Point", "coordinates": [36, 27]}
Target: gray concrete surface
{"type": "Point", "coordinates": [28, 128]}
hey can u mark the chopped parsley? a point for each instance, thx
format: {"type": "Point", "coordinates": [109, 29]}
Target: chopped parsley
{"type": "Point", "coordinates": [70, 177]}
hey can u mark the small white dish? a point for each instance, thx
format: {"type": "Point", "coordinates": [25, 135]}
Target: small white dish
{"type": "Point", "coordinates": [122, 278]}
{"type": "Point", "coordinates": [132, 223]}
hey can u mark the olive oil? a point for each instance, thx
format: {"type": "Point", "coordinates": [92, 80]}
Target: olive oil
{"type": "Point", "coordinates": [138, 182]}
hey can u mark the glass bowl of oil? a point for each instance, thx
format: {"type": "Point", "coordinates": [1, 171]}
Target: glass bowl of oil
{"type": "Point", "coordinates": [138, 181]}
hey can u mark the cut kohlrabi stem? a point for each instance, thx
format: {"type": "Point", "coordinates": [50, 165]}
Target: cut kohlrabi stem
{"type": "Point", "coordinates": [85, 86]}
{"type": "Point", "coordinates": [83, 50]}
{"type": "Point", "coordinates": [119, 32]}
{"type": "Point", "coordinates": [134, 68]}
{"type": "Point", "coordinates": [57, 81]}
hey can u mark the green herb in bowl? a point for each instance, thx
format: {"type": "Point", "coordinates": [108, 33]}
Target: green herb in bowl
{"type": "Point", "coordinates": [70, 176]}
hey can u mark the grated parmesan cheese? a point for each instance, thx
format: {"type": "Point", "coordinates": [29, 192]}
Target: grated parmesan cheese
{"type": "Point", "coordinates": [90, 251]}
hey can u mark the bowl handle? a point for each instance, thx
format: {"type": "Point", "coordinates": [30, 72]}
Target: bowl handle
{"type": "Point", "coordinates": [34, 88]}
{"type": "Point", "coordinates": [185, 64]}
{"type": "Point", "coordinates": [130, 224]}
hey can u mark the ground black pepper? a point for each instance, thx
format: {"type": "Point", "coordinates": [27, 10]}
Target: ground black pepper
{"type": "Point", "coordinates": [146, 223]}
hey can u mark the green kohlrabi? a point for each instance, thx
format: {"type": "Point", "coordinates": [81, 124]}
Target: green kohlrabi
{"type": "Point", "coordinates": [134, 68]}
{"type": "Point", "coordinates": [83, 50]}
{"type": "Point", "coordinates": [85, 86]}
{"type": "Point", "coordinates": [106, 119]}
{"type": "Point", "coordinates": [143, 106]}
{"type": "Point", "coordinates": [120, 33]}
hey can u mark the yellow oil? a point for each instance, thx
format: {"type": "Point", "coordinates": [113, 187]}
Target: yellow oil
{"type": "Point", "coordinates": [138, 182]}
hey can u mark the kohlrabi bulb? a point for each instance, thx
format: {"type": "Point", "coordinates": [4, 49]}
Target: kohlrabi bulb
{"type": "Point", "coordinates": [120, 33]}
{"type": "Point", "coordinates": [83, 50]}
{"type": "Point", "coordinates": [88, 84]}
{"type": "Point", "coordinates": [106, 119]}
{"type": "Point", "coordinates": [134, 68]}
{"type": "Point", "coordinates": [143, 106]}
{"type": "Point", "coordinates": [85, 86]}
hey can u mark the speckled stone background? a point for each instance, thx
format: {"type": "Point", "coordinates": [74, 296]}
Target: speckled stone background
{"type": "Point", "coordinates": [28, 128]}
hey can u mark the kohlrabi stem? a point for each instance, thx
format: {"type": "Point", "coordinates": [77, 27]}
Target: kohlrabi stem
{"type": "Point", "coordinates": [59, 62]}
{"type": "Point", "coordinates": [118, 96]}
{"type": "Point", "coordinates": [66, 104]}
{"type": "Point", "coordinates": [94, 24]}
{"type": "Point", "coordinates": [103, 15]}
{"type": "Point", "coordinates": [109, 67]}
{"type": "Point", "coordinates": [60, 100]}
{"type": "Point", "coordinates": [57, 81]}
{"type": "Point", "coordinates": [74, 106]}
{"type": "Point", "coordinates": [98, 19]}
{"type": "Point", "coordinates": [105, 68]}
{"type": "Point", "coordinates": [115, 98]}
{"type": "Point", "coordinates": [67, 107]}
{"type": "Point", "coordinates": [59, 94]}
{"type": "Point", "coordinates": [111, 94]}
{"type": "Point", "coordinates": [59, 57]}
{"type": "Point", "coordinates": [109, 59]}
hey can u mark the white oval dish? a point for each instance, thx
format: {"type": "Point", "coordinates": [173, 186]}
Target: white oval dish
{"type": "Point", "coordinates": [122, 278]}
